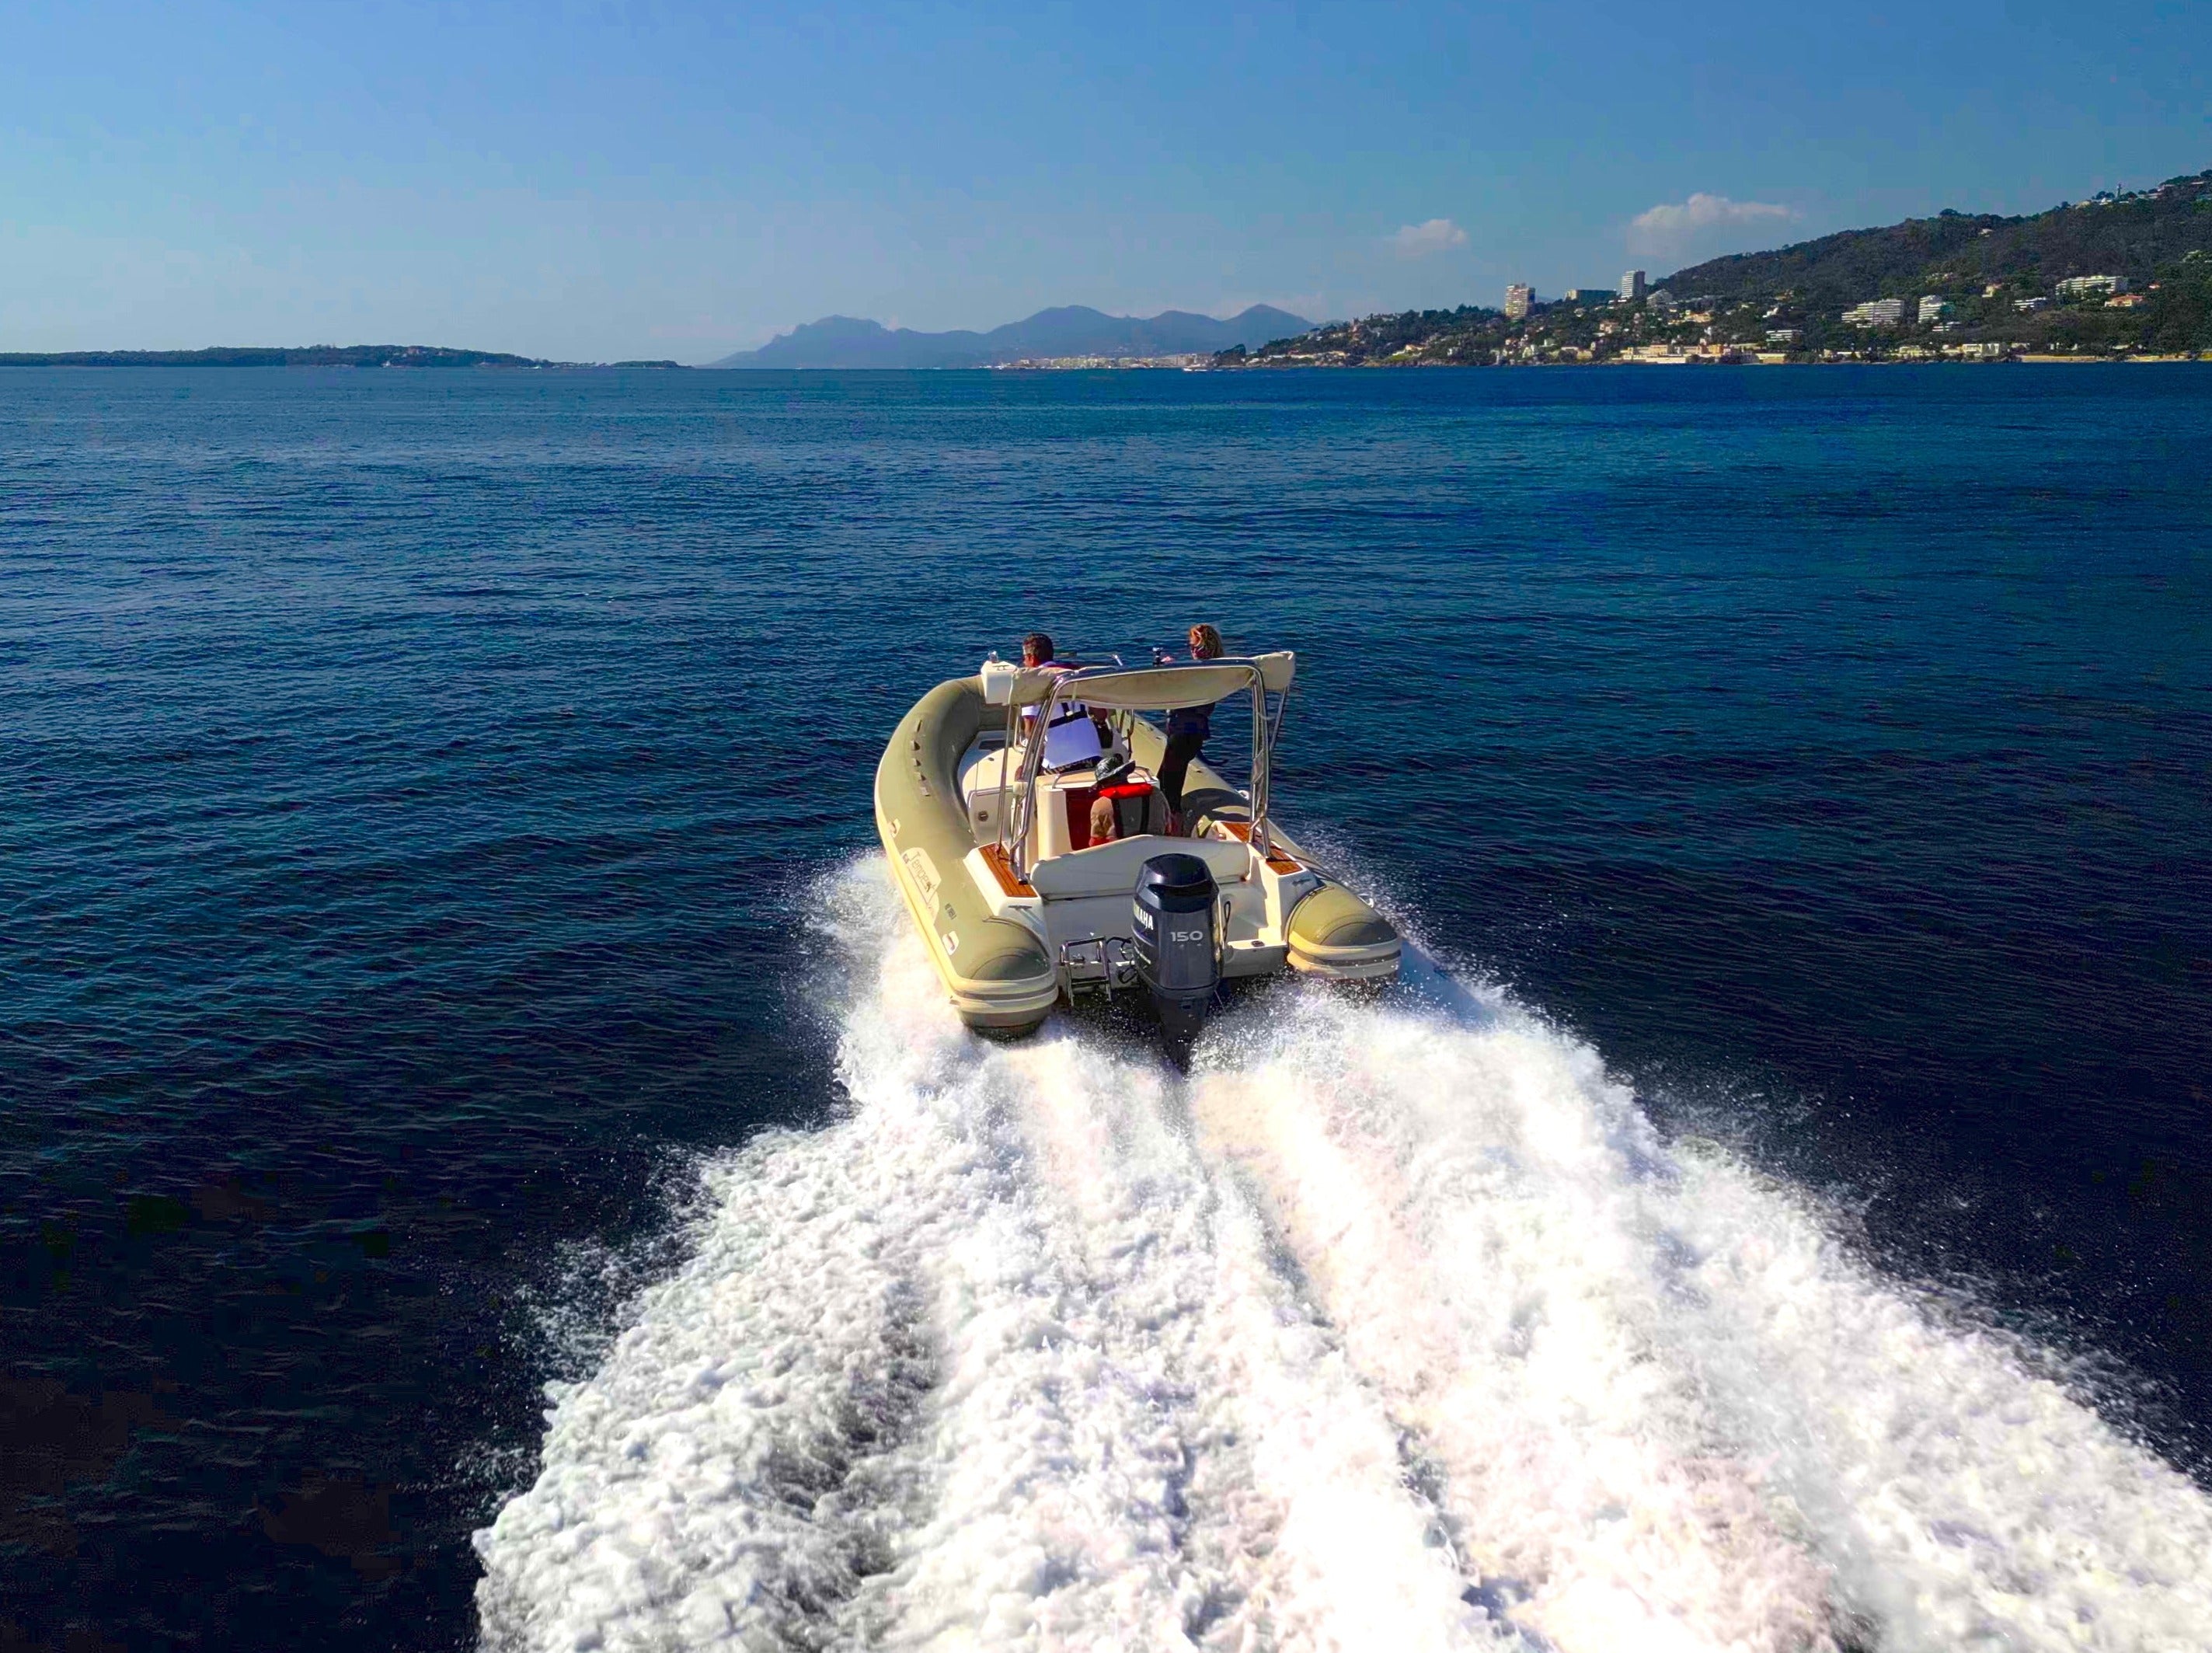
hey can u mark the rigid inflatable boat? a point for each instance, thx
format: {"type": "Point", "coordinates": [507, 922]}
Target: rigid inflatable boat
{"type": "Point", "coordinates": [984, 800]}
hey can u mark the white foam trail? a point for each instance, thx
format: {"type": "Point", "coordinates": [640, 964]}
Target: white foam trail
{"type": "Point", "coordinates": [1667, 1405]}
{"type": "Point", "coordinates": [990, 1363]}
{"type": "Point", "coordinates": [1383, 1313]}
{"type": "Point", "coordinates": [1965, 1501]}
{"type": "Point", "coordinates": [1182, 1440]}
{"type": "Point", "coordinates": [1467, 1219]}
{"type": "Point", "coordinates": [713, 1478]}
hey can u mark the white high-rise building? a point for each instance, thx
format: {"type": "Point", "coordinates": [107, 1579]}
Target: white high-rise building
{"type": "Point", "coordinates": [1632, 285]}
{"type": "Point", "coordinates": [1933, 307]}
{"type": "Point", "coordinates": [1876, 312]}
{"type": "Point", "coordinates": [1518, 297]}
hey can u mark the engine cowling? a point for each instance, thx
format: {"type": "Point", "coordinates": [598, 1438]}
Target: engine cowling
{"type": "Point", "coordinates": [1177, 928]}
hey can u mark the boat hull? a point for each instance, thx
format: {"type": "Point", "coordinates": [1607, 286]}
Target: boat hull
{"type": "Point", "coordinates": [1338, 937]}
{"type": "Point", "coordinates": [995, 970]}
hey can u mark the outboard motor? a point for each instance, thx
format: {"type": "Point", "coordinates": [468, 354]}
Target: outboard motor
{"type": "Point", "coordinates": [1177, 926]}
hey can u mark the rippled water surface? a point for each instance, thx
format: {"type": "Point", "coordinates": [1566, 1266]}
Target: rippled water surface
{"type": "Point", "coordinates": [444, 954]}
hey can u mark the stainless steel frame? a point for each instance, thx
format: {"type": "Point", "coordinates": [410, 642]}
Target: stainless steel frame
{"type": "Point", "coordinates": [1016, 826]}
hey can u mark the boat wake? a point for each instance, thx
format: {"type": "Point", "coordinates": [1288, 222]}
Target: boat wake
{"type": "Point", "coordinates": [1386, 1328]}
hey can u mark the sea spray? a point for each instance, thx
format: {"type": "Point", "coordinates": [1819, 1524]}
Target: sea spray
{"type": "Point", "coordinates": [1464, 1205]}
{"type": "Point", "coordinates": [1292, 1517]}
{"type": "Point", "coordinates": [722, 1477]}
{"type": "Point", "coordinates": [1966, 1498]}
{"type": "Point", "coordinates": [1390, 1326]}
{"type": "Point", "coordinates": [1669, 1403]}
{"type": "Point", "coordinates": [990, 1361]}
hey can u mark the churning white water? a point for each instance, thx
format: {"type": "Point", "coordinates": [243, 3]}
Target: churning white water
{"type": "Point", "coordinates": [1384, 1328]}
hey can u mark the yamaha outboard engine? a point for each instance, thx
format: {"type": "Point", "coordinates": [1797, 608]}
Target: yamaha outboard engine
{"type": "Point", "coordinates": [1178, 937]}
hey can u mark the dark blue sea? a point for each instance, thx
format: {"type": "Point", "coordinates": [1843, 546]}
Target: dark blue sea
{"type": "Point", "coordinates": [444, 953]}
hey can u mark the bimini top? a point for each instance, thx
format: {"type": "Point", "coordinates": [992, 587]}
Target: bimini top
{"type": "Point", "coordinates": [1140, 687]}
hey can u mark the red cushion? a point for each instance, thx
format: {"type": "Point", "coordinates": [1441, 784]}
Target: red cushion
{"type": "Point", "coordinates": [1079, 816]}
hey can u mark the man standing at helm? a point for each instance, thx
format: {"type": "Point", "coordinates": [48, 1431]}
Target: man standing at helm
{"type": "Point", "coordinates": [1078, 735]}
{"type": "Point", "coordinates": [1187, 728]}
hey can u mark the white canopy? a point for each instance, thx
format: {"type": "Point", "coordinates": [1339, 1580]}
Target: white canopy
{"type": "Point", "coordinates": [1145, 688]}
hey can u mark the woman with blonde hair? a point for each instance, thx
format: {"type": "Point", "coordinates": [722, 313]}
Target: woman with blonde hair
{"type": "Point", "coordinates": [1187, 728]}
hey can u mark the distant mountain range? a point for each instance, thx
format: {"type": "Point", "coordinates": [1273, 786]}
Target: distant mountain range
{"type": "Point", "coordinates": [1070, 330]}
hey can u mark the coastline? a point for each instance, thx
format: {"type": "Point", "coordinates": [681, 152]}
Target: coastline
{"type": "Point", "coordinates": [316, 356]}
{"type": "Point", "coordinates": [1743, 360]}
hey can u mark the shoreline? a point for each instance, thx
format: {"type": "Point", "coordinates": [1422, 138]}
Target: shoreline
{"type": "Point", "coordinates": [1039, 370]}
{"type": "Point", "coordinates": [1674, 361]}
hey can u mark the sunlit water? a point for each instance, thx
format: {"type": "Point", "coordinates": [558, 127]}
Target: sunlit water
{"type": "Point", "coordinates": [443, 951]}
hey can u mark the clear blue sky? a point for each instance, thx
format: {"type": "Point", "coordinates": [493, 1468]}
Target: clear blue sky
{"type": "Point", "coordinates": [603, 180]}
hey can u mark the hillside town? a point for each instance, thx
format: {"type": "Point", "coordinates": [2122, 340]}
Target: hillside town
{"type": "Point", "coordinates": [1635, 323]}
{"type": "Point", "coordinates": [2122, 276]}
{"type": "Point", "coordinates": [1189, 362]}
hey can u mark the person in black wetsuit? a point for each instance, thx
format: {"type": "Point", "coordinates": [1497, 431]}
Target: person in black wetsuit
{"type": "Point", "coordinates": [1187, 728]}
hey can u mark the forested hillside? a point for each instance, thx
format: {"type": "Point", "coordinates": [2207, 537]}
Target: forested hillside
{"type": "Point", "coordinates": [2132, 235]}
{"type": "Point", "coordinates": [1959, 287]}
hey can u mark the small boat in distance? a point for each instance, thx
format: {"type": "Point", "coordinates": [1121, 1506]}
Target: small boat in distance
{"type": "Point", "coordinates": [984, 800]}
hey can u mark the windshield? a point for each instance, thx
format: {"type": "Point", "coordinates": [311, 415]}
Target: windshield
{"type": "Point", "coordinates": [1072, 739]}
